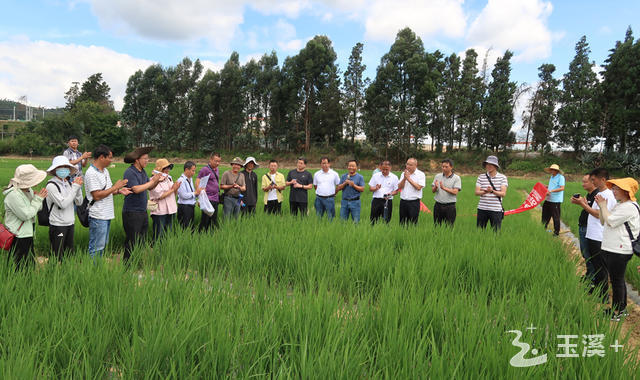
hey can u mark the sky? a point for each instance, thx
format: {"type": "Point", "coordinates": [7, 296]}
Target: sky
{"type": "Point", "coordinates": [46, 45]}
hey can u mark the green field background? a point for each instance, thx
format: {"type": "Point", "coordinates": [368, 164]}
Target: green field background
{"type": "Point", "coordinates": [278, 296]}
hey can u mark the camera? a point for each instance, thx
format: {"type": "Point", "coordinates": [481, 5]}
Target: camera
{"type": "Point", "coordinates": [576, 195]}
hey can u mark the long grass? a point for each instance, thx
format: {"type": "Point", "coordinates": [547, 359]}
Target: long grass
{"type": "Point", "coordinates": [278, 296]}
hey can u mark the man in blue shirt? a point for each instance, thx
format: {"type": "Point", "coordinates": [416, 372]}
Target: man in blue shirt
{"type": "Point", "coordinates": [552, 205]}
{"type": "Point", "coordinates": [135, 219]}
{"type": "Point", "coordinates": [351, 184]}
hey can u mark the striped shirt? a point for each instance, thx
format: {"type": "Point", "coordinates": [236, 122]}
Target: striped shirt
{"type": "Point", "coordinates": [490, 201]}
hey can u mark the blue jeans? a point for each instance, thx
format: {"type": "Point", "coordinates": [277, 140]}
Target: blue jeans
{"type": "Point", "coordinates": [325, 205]}
{"type": "Point", "coordinates": [350, 207]}
{"type": "Point", "coordinates": [584, 248]}
{"type": "Point", "coordinates": [98, 235]}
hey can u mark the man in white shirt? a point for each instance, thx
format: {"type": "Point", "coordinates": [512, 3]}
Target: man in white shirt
{"type": "Point", "coordinates": [325, 182]}
{"type": "Point", "coordinates": [384, 185]}
{"type": "Point", "coordinates": [445, 186]}
{"type": "Point", "coordinates": [100, 191]}
{"type": "Point", "coordinates": [411, 183]}
{"type": "Point", "coordinates": [599, 178]}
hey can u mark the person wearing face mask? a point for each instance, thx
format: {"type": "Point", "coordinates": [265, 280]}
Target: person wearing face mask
{"type": "Point", "coordinates": [61, 196]}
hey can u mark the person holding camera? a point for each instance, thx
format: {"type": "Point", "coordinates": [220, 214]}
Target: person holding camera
{"type": "Point", "coordinates": [446, 186]}
{"type": "Point", "coordinates": [351, 184]}
{"type": "Point", "coordinates": [384, 185]}
{"type": "Point", "coordinates": [621, 226]}
{"type": "Point", "coordinates": [599, 177]}
{"type": "Point", "coordinates": [591, 190]}
{"type": "Point", "coordinates": [232, 182]}
{"type": "Point", "coordinates": [273, 184]}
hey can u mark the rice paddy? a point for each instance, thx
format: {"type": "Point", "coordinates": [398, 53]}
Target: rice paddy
{"type": "Point", "coordinates": [286, 297]}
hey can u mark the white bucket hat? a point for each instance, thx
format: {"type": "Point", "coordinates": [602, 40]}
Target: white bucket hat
{"type": "Point", "coordinates": [60, 161]}
{"type": "Point", "coordinates": [27, 176]}
{"type": "Point", "coordinates": [493, 160]}
{"type": "Point", "coordinates": [251, 159]}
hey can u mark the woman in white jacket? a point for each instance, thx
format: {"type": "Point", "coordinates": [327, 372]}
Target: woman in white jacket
{"type": "Point", "coordinates": [61, 197]}
{"type": "Point", "coordinates": [616, 242]}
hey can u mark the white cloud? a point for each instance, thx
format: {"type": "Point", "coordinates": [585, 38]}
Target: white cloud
{"type": "Point", "coordinates": [520, 26]}
{"type": "Point", "coordinates": [384, 18]}
{"type": "Point", "coordinates": [215, 21]}
{"type": "Point", "coordinates": [44, 71]}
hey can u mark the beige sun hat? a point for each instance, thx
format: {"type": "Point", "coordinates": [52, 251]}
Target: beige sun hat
{"type": "Point", "coordinates": [237, 161]}
{"type": "Point", "coordinates": [628, 184]}
{"type": "Point", "coordinates": [27, 176]}
{"type": "Point", "coordinates": [163, 163]}
{"type": "Point", "coordinates": [60, 161]}
{"type": "Point", "coordinates": [553, 167]}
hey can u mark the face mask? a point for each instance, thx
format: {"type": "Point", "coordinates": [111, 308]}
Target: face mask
{"type": "Point", "coordinates": [63, 172]}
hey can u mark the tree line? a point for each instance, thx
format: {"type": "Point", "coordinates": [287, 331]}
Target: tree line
{"type": "Point", "coordinates": [453, 102]}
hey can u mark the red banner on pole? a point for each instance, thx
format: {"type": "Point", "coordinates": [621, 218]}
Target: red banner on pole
{"type": "Point", "coordinates": [536, 196]}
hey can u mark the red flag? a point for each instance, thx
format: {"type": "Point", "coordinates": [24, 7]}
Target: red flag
{"type": "Point", "coordinates": [424, 208]}
{"type": "Point", "coordinates": [536, 196]}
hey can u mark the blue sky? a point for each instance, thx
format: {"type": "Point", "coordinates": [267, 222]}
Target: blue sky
{"type": "Point", "coordinates": [46, 45]}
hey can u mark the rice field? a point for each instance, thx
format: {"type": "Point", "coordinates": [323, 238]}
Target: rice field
{"type": "Point", "coordinates": [285, 297]}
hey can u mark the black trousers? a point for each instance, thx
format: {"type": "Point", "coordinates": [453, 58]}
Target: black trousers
{"type": "Point", "coordinates": [209, 222]}
{"type": "Point", "coordinates": [444, 212]}
{"type": "Point", "coordinates": [135, 224]}
{"type": "Point", "coordinates": [493, 217]}
{"type": "Point", "coordinates": [186, 214]}
{"type": "Point", "coordinates": [22, 252]}
{"type": "Point", "coordinates": [248, 210]}
{"type": "Point", "coordinates": [601, 276]}
{"type": "Point", "coordinates": [409, 211]}
{"type": "Point", "coordinates": [616, 266]}
{"type": "Point", "coordinates": [296, 207]}
{"type": "Point", "coordinates": [551, 210]}
{"type": "Point", "coordinates": [377, 210]}
{"type": "Point", "coordinates": [273, 207]}
{"type": "Point", "coordinates": [61, 239]}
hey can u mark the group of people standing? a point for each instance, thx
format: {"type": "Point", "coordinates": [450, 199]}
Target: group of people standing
{"type": "Point", "coordinates": [609, 220]}
{"type": "Point", "coordinates": [168, 201]}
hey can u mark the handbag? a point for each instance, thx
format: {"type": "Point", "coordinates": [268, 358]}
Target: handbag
{"type": "Point", "coordinates": [635, 243]}
{"type": "Point", "coordinates": [152, 205]}
{"type": "Point", "coordinates": [6, 237]}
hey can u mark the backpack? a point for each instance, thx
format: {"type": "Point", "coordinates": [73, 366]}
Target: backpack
{"type": "Point", "coordinates": [45, 211]}
{"type": "Point", "coordinates": [635, 243]}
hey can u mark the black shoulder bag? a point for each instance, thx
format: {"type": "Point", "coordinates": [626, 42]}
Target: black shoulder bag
{"type": "Point", "coordinates": [635, 243]}
{"type": "Point", "coordinates": [45, 211]}
{"type": "Point", "coordinates": [494, 189]}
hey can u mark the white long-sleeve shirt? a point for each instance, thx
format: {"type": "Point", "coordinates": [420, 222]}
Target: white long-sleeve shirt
{"type": "Point", "coordinates": [186, 191]}
{"type": "Point", "coordinates": [62, 213]}
{"type": "Point", "coordinates": [615, 237]}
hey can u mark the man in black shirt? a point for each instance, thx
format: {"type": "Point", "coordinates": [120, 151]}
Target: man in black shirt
{"type": "Point", "coordinates": [250, 196]}
{"type": "Point", "coordinates": [592, 190]}
{"type": "Point", "coordinates": [300, 181]}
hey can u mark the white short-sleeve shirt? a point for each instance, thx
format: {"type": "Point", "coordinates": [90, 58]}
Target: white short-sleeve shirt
{"type": "Point", "coordinates": [326, 182]}
{"type": "Point", "coordinates": [409, 193]}
{"type": "Point", "coordinates": [388, 184]}
{"type": "Point", "coordinates": [96, 180]}
{"type": "Point", "coordinates": [594, 227]}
